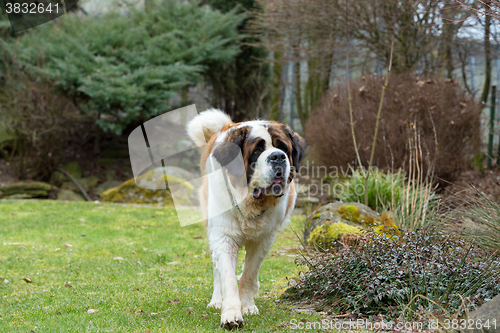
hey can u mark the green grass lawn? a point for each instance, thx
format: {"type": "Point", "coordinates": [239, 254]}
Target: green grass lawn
{"type": "Point", "coordinates": [110, 268]}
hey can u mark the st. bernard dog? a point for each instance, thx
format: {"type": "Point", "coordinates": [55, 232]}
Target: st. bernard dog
{"type": "Point", "coordinates": [256, 161]}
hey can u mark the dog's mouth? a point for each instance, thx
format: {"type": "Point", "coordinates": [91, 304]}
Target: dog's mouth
{"type": "Point", "coordinates": [276, 188]}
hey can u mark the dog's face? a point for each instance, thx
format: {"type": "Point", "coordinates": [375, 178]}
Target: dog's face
{"type": "Point", "coordinates": [271, 153]}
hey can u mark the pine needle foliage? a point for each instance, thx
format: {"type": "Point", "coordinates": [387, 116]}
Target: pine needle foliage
{"type": "Point", "coordinates": [125, 66]}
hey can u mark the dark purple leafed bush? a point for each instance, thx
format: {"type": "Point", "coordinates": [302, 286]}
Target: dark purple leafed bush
{"type": "Point", "coordinates": [379, 276]}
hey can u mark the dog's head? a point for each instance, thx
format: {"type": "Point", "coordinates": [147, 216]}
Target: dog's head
{"type": "Point", "coordinates": [270, 151]}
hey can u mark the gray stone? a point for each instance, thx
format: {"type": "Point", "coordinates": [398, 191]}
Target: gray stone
{"type": "Point", "coordinates": [68, 195]}
{"type": "Point", "coordinates": [100, 189]}
{"type": "Point", "coordinates": [489, 313]}
{"type": "Point", "coordinates": [306, 202]}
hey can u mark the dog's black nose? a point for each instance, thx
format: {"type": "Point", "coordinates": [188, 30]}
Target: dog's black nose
{"type": "Point", "coordinates": [278, 157]}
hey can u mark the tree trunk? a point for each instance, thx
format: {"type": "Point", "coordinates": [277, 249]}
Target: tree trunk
{"type": "Point", "coordinates": [487, 55]}
{"type": "Point", "coordinates": [298, 96]}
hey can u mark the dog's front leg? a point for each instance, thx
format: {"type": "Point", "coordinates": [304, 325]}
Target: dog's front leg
{"type": "Point", "coordinates": [249, 281]}
{"type": "Point", "coordinates": [225, 257]}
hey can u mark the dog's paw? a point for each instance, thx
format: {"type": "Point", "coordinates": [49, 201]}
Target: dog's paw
{"type": "Point", "coordinates": [250, 309]}
{"type": "Point", "coordinates": [215, 305]}
{"type": "Point", "coordinates": [231, 318]}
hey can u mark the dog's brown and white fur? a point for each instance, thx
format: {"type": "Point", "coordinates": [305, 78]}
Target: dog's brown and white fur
{"type": "Point", "coordinates": [270, 153]}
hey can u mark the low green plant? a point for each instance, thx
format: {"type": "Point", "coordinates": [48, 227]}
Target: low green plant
{"type": "Point", "coordinates": [378, 276]}
{"type": "Point", "coordinates": [411, 199]}
{"type": "Point", "coordinates": [383, 188]}
{"type": "Point", "coordinates": [418, 204]}
{"type": "Point", "coordinates": [417, 207]}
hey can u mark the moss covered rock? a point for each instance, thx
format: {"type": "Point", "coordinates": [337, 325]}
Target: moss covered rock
{"type": "Point", "coordinates": [325, 236]}
{"type": "Point", "coordinates": [354, 214]}
{"type": "Point", "coordinates": [25, 190]}
{"type": "Point", "coordinates": [131, 193]}
{"type": "Point", "coordinates": [329, 214]}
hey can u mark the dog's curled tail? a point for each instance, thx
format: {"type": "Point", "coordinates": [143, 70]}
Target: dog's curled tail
{"type": "Point", "coordinates": [206, 124]}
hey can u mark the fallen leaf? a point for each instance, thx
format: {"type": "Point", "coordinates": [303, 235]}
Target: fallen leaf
{"type": "Point", "coordinates": [67, 245]}
{"type": "Point", "coordinates": [175, 301]}
{"type": "Point", "coordinates": [118, 258]}
{"type": "Point", "coordinates": [67, 285]}
{"type": "Point", "coordinates": [205, 315]}
{"type": "Point", "coordinates": [147, 331]}
{"type": "Point", "coordinates": [58, 313]}
{"type": "Point", "coordinates": [154, 313]}
{"type": "Point", "coordinates": [173, 263]}
{"type": "Point", "coordinates": [197, 236]}
{"type": "Point", "coordinates": [27, 280]}
{"type": "Point", "coordinates": [91, 310]}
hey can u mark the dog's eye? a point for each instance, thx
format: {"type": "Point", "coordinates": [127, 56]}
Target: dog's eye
{"type": "Point", "coordinates": [257, 151]}
{"type": "Point", "coordinates": [282, 146]}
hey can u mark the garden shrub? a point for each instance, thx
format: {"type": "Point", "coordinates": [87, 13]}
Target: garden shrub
{"type": "Point", "coordinates": [42, 124]}
{"type": "Point", "coordinates": [379, 276]}
{"type": "Point", "coordinates": [445, 119]}
{"type": "Point", "coordinates": [124, 67]}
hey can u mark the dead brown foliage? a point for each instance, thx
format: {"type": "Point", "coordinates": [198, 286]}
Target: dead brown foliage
{"type": "Point", "coordinates": [445, 120]}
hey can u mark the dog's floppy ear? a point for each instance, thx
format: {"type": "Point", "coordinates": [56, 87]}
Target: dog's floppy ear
{"type": "Point", "coordinates": [298, 147]}
{"type": "Point", "coordinates": [226, 153]}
